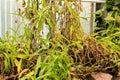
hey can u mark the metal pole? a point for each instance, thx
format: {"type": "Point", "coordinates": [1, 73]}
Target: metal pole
{"type": "Point", "coordinates": [92, 17]}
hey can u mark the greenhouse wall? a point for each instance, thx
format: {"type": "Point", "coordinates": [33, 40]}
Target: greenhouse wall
{"type": "Point", "coordinates": [9, 21]}
{"type": "Point", "coordinates": [8, 18]}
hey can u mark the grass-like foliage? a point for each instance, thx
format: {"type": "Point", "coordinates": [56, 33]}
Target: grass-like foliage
{"type": "Point", "coordinates": [64, 53]}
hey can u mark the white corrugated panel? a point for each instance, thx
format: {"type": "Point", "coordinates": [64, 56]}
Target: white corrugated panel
{"type": "Point", "coordinates": [7, 18]}
{"type": "Point", "coordinates": [2, 17]}
{"type": "Point", "coordinates": [86, 14]}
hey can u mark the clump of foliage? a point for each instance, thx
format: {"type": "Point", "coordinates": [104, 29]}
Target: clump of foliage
{"type": "Point", "coordinates": [64, 53]}
{"type": "Point", "coordinates": [109, 33]}
{"type": "Point", "coordinates": [110, 30]}
{"type": "Point", "coordinates": [31, 56]}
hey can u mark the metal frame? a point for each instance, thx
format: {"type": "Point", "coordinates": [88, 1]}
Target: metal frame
{"type": "Point", "coordinates": [93, 8]}
{"type": "Point", "coordinates": [94, 1]}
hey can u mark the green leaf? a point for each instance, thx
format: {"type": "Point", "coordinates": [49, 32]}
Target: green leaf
{"type": "Point", "coordinates": [109, 18]}
{"type": "Point", "coordinates": [38, 64]}
{"type": "Point", "coordinates": [18, 64]}
{"type": "Point", "coordinates": [117, 2]}
{"type": "Point", "coordinates": [69, 7]}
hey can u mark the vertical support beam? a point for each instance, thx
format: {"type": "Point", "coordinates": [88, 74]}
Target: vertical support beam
{"type": "Point", "coordinates": [92, 17]}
